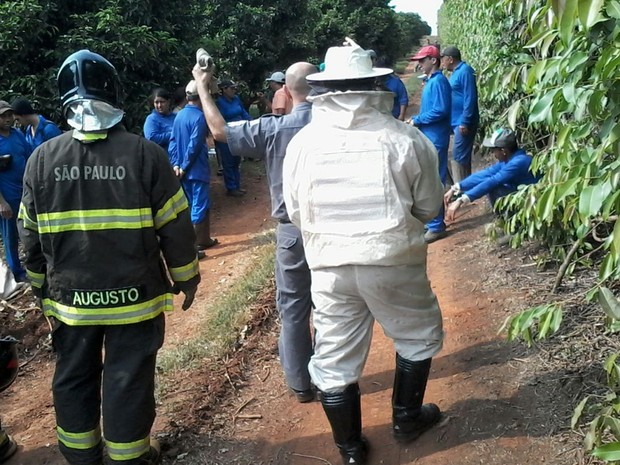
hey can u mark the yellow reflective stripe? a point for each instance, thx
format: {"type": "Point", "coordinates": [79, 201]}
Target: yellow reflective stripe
{"type": "Point", "coordinates": [123, 451]}
{"type": "Point", "coordinates": [29, 223]}
{"type": "Point", "coordinates": [89, 136]}
{"type": "Point", "coordinates": [36, 279]}
{"type": "Point", "coordinates": [95, 220]}
{"type": "Point", "coordinates": [185, 273]}
{"type": "Point", "coordinates": [76, 316]}
{"type": "Point", "coordinates": [80, 441]}
{"type": "Point", "coordinates": [175, 205]}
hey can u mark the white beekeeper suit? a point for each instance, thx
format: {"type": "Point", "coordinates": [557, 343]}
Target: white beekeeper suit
{"type": "Point", "coordinates": [361, 185]}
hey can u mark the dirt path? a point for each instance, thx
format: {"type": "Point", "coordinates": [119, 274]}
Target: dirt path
{"type": "Point", "coordinates": [493, 412]}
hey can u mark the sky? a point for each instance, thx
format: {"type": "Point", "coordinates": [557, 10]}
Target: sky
{"type": "Point", "coordinates": [427, 9]}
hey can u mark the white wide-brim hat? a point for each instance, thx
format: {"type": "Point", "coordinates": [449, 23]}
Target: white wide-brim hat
{"type": "Point", "coordinates": [348, 62]}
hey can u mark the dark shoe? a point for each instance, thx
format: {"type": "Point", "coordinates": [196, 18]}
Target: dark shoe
{"type": "Point", "coordinates": [307, 395]}
{"type": "Point", "coordinates": [235, 193]}
{"type": "Point", "coordinates": [409, 417]}
{"type": "Point", "coordinates": [431, 236]}
{"type": "Point", "coordinates": [210, 243]}
{"type": "Point", "coordinates": [220, 172]}
{"type": "Point", "coordinates": [7, 449]}
{"type": "Point", "coordinates": [200, 254]}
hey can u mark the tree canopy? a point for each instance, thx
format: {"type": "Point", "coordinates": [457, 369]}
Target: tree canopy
{"type": "Point", "coordinates": [153, 43]}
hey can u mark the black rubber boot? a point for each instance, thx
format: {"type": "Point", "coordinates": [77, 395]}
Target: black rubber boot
{"type": "Point", "coordinates": [7, 447]}
{"type": "Point", "coordinates": [203, 234]}
{"type": "Point", "coordinates": [344, 413]}
{"type": "Point", "coordinates": [409, 417]}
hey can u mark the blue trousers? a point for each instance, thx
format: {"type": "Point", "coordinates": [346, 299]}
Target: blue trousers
{"type": "Point", "coordinates": [197, 193]}
{"type": "Point", "coordinates": [437, 224]}
{"type": "Point", "coordinates": [230, 165]}
{"type": "Point", "coordinates": [294, 303]}
{"type": "Point", "coordinates": [10, 239]}
{"type": "Point", "coordinates": [463, 146]}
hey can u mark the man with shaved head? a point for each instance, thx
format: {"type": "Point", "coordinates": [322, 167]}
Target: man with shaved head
{"type": "Point", "coordinates": [268, 138]}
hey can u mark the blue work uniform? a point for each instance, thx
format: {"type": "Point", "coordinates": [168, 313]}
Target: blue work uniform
{"type": "Point", "coordinates": [188, 150]}
{"type": "Point", "coordinates": [395, 85]}
{"type": "Point", "coordinates": [158, 128]}
{"type": "Point", "coordinates": [231, 110]}
{"type": "Point", "coordinates": [464, 112]}
{"type": "Point", "coordinates": [45, 131]}
{"type": "Point", "coordinates": [11, 188]}
{"type": "Point", "coordinates": [268, 138]}
{"type": "Point", "coordinates": [500, 179]}
{"type": "Point", "coordinates": [434, 122]}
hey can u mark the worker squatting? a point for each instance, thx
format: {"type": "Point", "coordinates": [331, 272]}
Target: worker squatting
{"type": "Point", "coordinates": [88, 173]}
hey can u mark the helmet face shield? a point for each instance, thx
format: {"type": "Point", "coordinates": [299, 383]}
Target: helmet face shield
{"type": "Point", "coordinates": [88, 76]}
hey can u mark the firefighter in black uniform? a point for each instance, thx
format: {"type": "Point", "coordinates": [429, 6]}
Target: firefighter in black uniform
{"type": "Point", "coordinates": [104, 221]}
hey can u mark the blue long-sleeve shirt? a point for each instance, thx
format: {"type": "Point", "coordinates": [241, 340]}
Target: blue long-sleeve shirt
{"type": "Point", "coordinates": [232, 110]}
{"type": "Point", "coordinates": [11, 184]}
{"type": "Point", "coordinates": [508, 174]}
{"type": "Point", "coordinates": [464, 96]}
{"type": "Point", "coordinates": [158, 128]}
{"type": "Point", "coordinates": [45, 131]}
{"type": "Point", "coordinates": [434, 117]}
{"type": "Point", "coordinates": [394, 84]}
{"type": "Point", "coordinates": [188, 144]}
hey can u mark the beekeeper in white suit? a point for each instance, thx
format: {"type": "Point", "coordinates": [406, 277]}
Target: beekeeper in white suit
{"type": "Point", "coordinates": [360, 185]}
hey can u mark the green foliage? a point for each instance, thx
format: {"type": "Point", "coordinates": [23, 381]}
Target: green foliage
{"type": "Point", "coordinates": [550, 70]}
{"type": "Point", "coordinates": [545, 320]}
{"type": "Point", "coordinates": [152, 44]}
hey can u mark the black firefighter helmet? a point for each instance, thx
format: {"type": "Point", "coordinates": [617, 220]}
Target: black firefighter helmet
{"type": "Point", "coordinates": [9, 363]}
{"type": "Point", "coordinates": [86, 75]}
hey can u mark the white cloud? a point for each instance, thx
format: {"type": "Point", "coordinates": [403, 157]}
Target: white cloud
{"type": "Point", "coordinates": [427, 9]}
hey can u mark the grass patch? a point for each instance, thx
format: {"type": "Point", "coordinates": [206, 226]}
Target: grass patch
{"type": "Point", "coordinates": [227, 315]}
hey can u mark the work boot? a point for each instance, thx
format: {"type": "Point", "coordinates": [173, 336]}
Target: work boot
{"type": "Point", "coordinates": [203, 234]}
{"type": "Point", "coordinates": [7, 447]}
{"type": "Point", "coordinates": [409, 417]}
{"type": "Point", "coordinates": [235, 193]}
{"type": "Point", "coordinates": [432, 236]}
{"type": "Point", "coordinates": [344, 413]}
{"type": "Point", "coordinates": [305, 395]}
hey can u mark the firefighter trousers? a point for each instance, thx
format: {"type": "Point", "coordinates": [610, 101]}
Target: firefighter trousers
{"type": "Point", "coordinates": [109, 370]}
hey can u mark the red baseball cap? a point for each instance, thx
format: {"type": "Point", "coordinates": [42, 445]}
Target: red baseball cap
{"type": "Point", "coordinates": [427, 51]}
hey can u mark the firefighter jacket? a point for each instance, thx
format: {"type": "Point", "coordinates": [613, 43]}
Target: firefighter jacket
{"type": "Point", "coordinates": [95, 220]}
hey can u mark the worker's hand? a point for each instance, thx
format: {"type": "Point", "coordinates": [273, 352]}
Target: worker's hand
{"type": "Point", "coordinates": [451, 212]}
{"type": "Point", "coordinates": [178, 171]}
{"type": "Point", "coordinates": [6, 211]}
{"type": "Point", "coordinates": [464, 130]}
{"type": "Point", "coordinates": [447, 197]}
{"type": "Point", "coordinates": [189, 291]}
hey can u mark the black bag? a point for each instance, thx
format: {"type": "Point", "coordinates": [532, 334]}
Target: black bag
{"type": "Point", "coordinates": [5, 161]}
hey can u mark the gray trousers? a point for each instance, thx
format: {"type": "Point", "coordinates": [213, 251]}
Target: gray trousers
{"type": "Point", "coordinates": [294, 303]}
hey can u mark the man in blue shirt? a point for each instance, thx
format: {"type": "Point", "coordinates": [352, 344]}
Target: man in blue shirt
{"type": "Point", "coordinates": [503, 178]}
{"type": "Point", "coordinates": [188, 154]}
{"type": "Point", "coordinates": [464, 110]}
{"type": "Point", "coordinates": [434, 122]}
{"type": "Point", "coordinates": [14, 151]}
{"type": "Point", "coordinates": [268, 138]}
{"type": "Point", "coordinates": [37, 129]}
{"type": "Point", "coordinates": [392, 83]}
